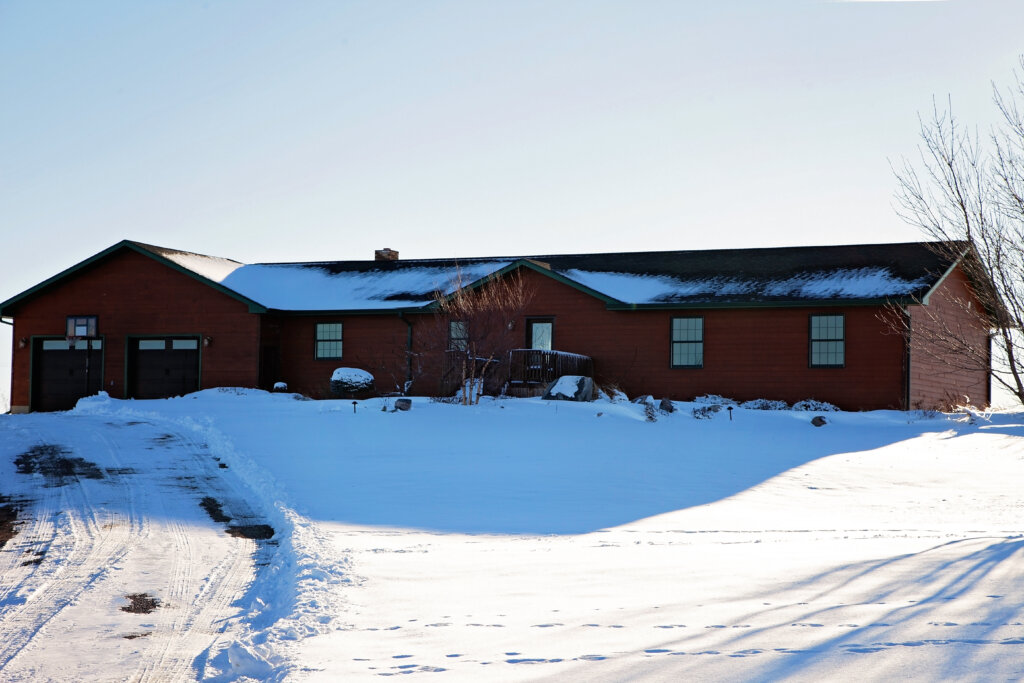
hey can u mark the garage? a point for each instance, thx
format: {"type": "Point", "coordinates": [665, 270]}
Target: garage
{"type": "Point", "coordinates": [162, 367]}
{"type": "Point", "coordinates": [63, 372]}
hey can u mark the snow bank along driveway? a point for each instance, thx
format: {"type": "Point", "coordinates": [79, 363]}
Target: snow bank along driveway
{"type": "Point", "coordinates": [515, 540]}
{"type": "Point", "coordinates": [117, 571]}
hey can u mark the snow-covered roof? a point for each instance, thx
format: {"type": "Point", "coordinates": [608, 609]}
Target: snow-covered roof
{"type": "Point", "coordinates": [336, 285]}
{"type": "Point", "coordinates": [706, 278]}
{"type": "Point", "coordinates": [297, 287]}
{"type": "Point", "coordinates": [786, 275]}
{"type": "Point", "coordinates": [843, 283]}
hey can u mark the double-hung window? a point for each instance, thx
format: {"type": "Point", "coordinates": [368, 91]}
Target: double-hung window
{"type": "Point", "coordinates": [688, 342]}
{"type": "Point", "coordinates": [328, 341]}
{"type": "Point", "coordinates": [828, 341]}
{"type": "Point", "coordinates": [458, 335]}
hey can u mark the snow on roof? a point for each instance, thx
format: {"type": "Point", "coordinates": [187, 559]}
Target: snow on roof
{"type": "Point", "coordinates": [730, 276]}
{"type": "Point", "coordinates": [639, 288]}
{"type": "Point", "coordinates": [318, 287]}
{"type": "Point", "coordinates": [212, 268]}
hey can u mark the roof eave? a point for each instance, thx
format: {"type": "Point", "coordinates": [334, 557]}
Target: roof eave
{"type": "Point", "coordinates": [789, 303]}
{"type": "Point", "coordinates": [536, 267]}
{"type": "Point", "coordinates": [942, 278]}
{"type": "Point", "coordinates": [6, 306]}
{"type": "Point", "coordinates": [425, 308]}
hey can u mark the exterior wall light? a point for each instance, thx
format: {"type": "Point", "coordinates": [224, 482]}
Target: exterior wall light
{"type": "Point", "coordinates": [23, 342]}
{"type": "Point", "coordinates": [207, 341]}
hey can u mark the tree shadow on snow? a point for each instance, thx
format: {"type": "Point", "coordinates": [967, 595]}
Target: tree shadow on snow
{"type": "Point", "coordinates": [909, 619]}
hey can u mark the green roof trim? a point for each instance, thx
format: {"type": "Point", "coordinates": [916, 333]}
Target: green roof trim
{"type": "Point", "coordinates": [7, 306]}
{"type": "Point", "coordinates": [536, 267]}
{"type": "Point", "coordinates": [808, 303]}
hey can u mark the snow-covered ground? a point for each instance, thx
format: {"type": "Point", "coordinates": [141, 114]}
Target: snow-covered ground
{"type": "Point", "coordinates": [514, 540]}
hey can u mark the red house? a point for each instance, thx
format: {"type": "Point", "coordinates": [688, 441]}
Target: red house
{"type": "Point", "coordinates": [140, 321]}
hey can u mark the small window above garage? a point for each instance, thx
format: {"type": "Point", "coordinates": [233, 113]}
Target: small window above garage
{"type": "Point", "coordinates": [81, 326]}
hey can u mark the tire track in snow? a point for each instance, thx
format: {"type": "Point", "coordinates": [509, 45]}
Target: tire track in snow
{"type": "Point", "coordinates": [139, 529]}
{"type": "Point", "coordinates": [200, 615]}
{"type": "Point", "coordinates": [87, 542]}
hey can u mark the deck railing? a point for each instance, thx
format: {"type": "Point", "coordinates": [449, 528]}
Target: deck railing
{"type": "Point", "coordinates": [537, 368]}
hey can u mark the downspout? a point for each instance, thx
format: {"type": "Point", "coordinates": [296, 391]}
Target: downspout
{"type": "Point", "coordinates": [408, 348]}
{"type": "Point", "coordinates": [906, 358]}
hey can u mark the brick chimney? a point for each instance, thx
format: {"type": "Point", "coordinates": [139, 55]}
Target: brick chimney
{"type": "Point", "coordinates": [385, 254]}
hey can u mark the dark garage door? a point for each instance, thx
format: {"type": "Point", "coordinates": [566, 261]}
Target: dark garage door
{"type": "Point", "coordinates": [61, 375]}
{"type": "Point", "coordinates": [160, 368]}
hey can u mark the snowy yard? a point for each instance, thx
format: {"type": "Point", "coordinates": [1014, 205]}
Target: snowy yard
{"type": "Point", "coordinates": [515, 540]}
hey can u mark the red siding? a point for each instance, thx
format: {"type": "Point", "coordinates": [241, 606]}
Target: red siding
{"type": "Point", "coordinates": [132, 294]}
{"type": "Point", "coordinates": [375, 343]}
{"type": "Point", "coordinates": [938, 383]}
{"type": "Point", "coordinates": [748, 353]}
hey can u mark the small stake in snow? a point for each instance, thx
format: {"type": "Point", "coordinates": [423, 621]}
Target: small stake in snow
{"type": "Point", "coordinates": [730, 413]}
{"type": "Point", "coordinates": [354, 403]}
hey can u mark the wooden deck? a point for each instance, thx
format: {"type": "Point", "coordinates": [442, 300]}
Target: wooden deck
{"type": "Point", "coordinates": [531, 370]}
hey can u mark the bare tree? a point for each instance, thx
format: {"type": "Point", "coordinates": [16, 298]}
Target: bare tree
{"type": "Point", "coordinates": [967, 194]}
{"type": "Point", "coordinates": [475, 328]}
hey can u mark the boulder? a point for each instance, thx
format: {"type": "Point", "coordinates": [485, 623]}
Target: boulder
{"type": "Point", "coordinates": [403, 404]}
{"type": "Point", "coordinates": [819, 421]}
{"type": "Point", "coordinates": [570, 388]}
{"type": "Point", "coordinates": [666, 406]}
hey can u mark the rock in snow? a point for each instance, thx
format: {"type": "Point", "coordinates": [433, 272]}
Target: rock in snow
{"type": "Point", "coordinates": [571, 388]}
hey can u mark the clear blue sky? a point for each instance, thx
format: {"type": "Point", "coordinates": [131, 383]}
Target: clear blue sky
{"type": "Point", "coordinates": [267, 131]}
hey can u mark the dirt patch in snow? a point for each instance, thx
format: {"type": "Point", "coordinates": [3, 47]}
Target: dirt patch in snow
{"type": "Point", "coordinates": [256, 532]}
{"type": "Point", "coordinates": [214, 509]}
{"type": "Point", "coordinates": [37, 557]}
{"type": "Point", "coordinates": [133, 636]}
{"type": "Point", "coordinates": [140, 603]}
{"type": "Point", "coordinates": [8, 516]}
{"type": "Point", "coordinates": [54, 463]}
